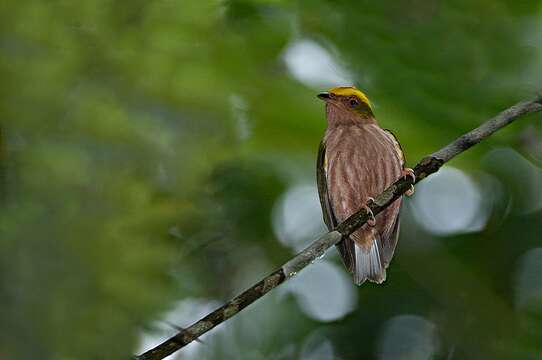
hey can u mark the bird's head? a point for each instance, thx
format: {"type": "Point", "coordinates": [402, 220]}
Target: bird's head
{"type": "Point", "coordinates": [348, 101]}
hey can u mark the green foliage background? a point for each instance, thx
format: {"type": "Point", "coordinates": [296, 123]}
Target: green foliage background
{"type": "Point", "coordinates": [126, 185]}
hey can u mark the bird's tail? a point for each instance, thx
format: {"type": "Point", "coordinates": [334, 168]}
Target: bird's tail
{"type": "Point", "coordinates": [369, 264]}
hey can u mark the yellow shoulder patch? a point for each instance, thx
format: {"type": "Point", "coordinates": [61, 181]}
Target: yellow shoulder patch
{"type": "Point", "coordinates": [350, 91]}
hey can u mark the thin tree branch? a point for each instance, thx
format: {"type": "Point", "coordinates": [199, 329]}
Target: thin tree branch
{"type": "Point", "coordinates": [425, 167]}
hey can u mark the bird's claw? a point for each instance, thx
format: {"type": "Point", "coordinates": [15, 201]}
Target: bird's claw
{"type": "Point", "coordinates": [410, 172]}
{"type": "Point", "coordinates": [371, 221]}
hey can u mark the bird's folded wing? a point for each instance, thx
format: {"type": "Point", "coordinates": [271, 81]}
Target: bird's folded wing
{"type": "Point", "coordinates": [346, 246]}
{"type": "Point", "coordinates": [391, 234]}
{"type": "Point", "coordinates": [397, 146]}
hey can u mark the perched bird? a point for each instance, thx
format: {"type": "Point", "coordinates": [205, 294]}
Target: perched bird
{"type": "Point", "coordinates": [357, 160]}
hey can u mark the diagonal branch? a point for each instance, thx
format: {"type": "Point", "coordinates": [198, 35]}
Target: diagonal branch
{"type": "Point", "coordinates": [425, 167]}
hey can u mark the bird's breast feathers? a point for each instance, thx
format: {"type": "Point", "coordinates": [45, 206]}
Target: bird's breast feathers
{"type": "Point", "coordinates": [360, 162]}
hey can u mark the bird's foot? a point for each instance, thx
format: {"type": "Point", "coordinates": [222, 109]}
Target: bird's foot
{"type": "Point", "coordinates": [409, 172]}
{"type": "Point", "coordinates": [371, 221]}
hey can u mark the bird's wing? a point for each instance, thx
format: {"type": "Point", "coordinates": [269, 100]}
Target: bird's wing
{"type": "Point", "coordinates": [390, 238]}
{"type": "Point", "coordinates": [391, 234]}
{"type": "Point", "coordinates": [345, 246]}
{"type": "Point", "coordinates": [325, 202]}
{"type": "Point", "coordinates": [397, 146]}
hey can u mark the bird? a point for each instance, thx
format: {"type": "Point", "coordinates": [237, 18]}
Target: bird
{"type": "Point", "coordinates": [357, 160]}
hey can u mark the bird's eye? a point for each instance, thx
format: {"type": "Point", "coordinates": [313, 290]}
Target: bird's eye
{"type": "Point", "coordinates": [354, 102]}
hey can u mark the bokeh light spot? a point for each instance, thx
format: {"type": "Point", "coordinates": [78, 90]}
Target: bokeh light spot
{"type": "Point", "coordinates": [529, 281]}
{"type": "Point", "coordinates": [297, 217]}
{"type": "Point", "coordinates": [314, 66]}
{"type": "Point", "coordinates": [317, 347]}
{"type": "Point", "coordinates": [449, 202]}
{"type": "Point", "coordinates": [408, 337]}
{"type": "Point", "coordinates": [523, 178]}
{"type": "Point", "coordinates": [324, 292]}
{"type": "Point", "coordinates": [184, 313]}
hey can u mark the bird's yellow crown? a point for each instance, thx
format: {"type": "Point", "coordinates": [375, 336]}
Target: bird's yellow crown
{"type": "Point", "coordinates": [351, 91]}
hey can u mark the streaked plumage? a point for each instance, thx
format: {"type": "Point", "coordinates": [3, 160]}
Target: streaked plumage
{"type": "Point", "coordinates": [357, 160]}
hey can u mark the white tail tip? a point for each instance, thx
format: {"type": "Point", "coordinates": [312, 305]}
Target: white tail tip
{"type": "Point", "coordinates": [369, 265]}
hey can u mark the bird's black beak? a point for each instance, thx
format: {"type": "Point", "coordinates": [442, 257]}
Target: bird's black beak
{"type": "Point", "coordinates": [323, 96]}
